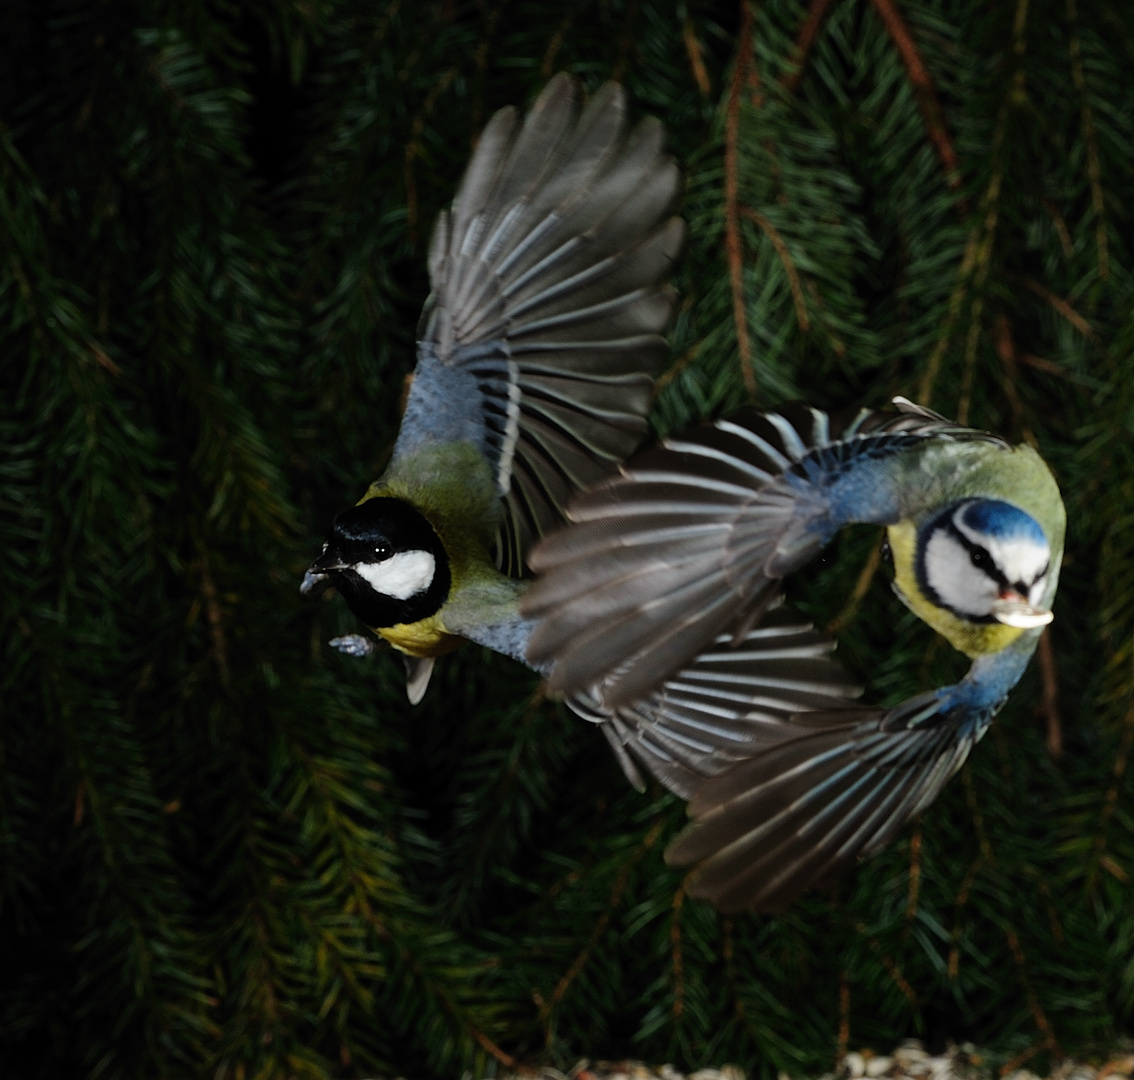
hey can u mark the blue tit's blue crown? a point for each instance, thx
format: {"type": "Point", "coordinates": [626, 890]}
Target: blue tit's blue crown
{"type": "Point", "coordinates": [1001, 521]}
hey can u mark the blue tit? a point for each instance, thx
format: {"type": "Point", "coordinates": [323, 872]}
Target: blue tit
{"type": "Point", "coordinates": [668, 583]}
{"type": "Point", "coordinates": [537, 353]}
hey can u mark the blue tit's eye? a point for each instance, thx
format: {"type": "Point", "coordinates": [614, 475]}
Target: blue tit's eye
{"type": "Point", "coordinates": [981, 559]}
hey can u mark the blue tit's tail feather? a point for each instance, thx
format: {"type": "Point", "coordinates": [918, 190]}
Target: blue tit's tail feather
{"type": "Point", "coordinates": [693, 537]}
{"type": "Point", "coordinates": [838, 787]}
{"type": "Point", "coordinates": [547, 291]}
{"type": "Point", "coordinates": [729, 703]}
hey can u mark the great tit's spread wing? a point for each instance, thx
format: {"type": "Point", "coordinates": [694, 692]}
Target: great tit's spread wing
{"type": "Point", "coordinates": [730, 702]}
{"type": "Point", "coordinates": [692, 538]}
{"type": "Point", "coordinates": [549, 302]}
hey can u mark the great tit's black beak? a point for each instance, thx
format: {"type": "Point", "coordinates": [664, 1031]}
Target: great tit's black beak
{"type": "Point", "coordinates": [319, 571]}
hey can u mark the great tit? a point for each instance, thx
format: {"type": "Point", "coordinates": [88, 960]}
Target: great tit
{"type": "Point", "coordinates": [667, 583]}
{"type": "Point", "coordinates": [537, 354]}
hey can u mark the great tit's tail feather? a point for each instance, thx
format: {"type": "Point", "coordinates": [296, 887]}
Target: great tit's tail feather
{"type": "Point", "coordinates": [730, 702]}
{"type": "Point", "coordinates": [839, 787]}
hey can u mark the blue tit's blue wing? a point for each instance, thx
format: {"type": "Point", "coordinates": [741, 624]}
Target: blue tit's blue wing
{"type": "Point", "coordinates": [733, 700]}
{"type": "Point", "coordinates": [835, 787]}
{"type": "Point", "coordinates": [543, 333]}
{"type": "Point", "coordinates": [693, 537]}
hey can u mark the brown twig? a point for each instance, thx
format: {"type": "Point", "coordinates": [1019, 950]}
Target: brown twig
{"type": "Point", "coordinates": [786, 261]}
{"type": "Point", "coordinates": [962, 899]}
{"type": "Point", "coordinates": [675, 951]}
{"type": "Point", "coordinates": [861, 587]}
{"type": "Point", "coordinates": [915, 873]}
{"type": "Point", "coordinates": [1064, 309]}
{"type": "Point", "coordinates": [844, 1018]}
{"type": "Point", "coordinates": [1117, 774]}
{"type": "Point", "coordinates": [600, 926]}
{"type": "Point", "coordinates": [1038, 1015]}
{"type": "Point", "coordinates": [923, 88]}
{"type": "Point", "coordinates": [626, 39]}
{"type": "Point", "coordinates": [504, 1058]}
{"type": "Point", "coordinates": [733, 249]}
{"type": "Point", "coordinates": [1093, 171]}
{"type": "Point", "coordinates": [892, 968]}
{"type": "Point", "coordinates": [216, 624]}
{"type": "Point", "coordinates": [1049, 707]}
{"type": "Point", "coordinates": [696, 58]}
{"type": "Point", "coordinates": [804, 42]}
{"type": "Point", "coordinates": [553, 46]}
{"type": "Point", "coordinates": [1006, 350]}
{"type": "Point", "coordinates": [413, 147]}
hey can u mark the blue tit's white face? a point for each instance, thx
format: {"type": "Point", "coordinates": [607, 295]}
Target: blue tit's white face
{"type": "Point", "coordinates": [986, 560]}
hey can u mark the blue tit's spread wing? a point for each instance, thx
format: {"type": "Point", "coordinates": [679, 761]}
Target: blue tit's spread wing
{"type": "Point", "coordinates": [838, 787]}
{"type": "Point", "coordinates": [692, 538]}
{"type": "Point", "coordinates": [730, 702]}
{"type": "Point", "coordinates": [542, 337]}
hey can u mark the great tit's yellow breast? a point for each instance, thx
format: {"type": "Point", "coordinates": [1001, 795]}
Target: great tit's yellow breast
{"type": "Point", "coordinates": [426, 637]}
{"type": "Point", "coordinates": [973, 639]}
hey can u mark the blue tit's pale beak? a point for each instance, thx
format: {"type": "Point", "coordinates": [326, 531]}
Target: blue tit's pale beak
{"type": "Point", "coordinates": [1013, 610]}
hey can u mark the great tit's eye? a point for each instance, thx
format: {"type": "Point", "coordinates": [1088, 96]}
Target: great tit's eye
{"type": "Point", "coordinates": [382, 551]}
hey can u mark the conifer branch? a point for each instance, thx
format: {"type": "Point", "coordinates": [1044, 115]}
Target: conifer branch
{"type": "Point", "coordinates": [1049, 707]}
{"type": "Point", "coordinates": [892, 969]}
{"type": "Point", "coordinates": [675, 955]}
{"type": "Point", "coordinates": [555, 42]}
{"type": "Point", "coordinates": [1089, 140]}
{"type": "Point", "coordinates": [843, 1043]}
{"type": "Point", "coordinates": [915, 873]}
{"type": "Point", "coordinates": [1038, 1015]}
{"type": "Point", "coordinates": [924, 89]}
{"type": "Point", "coordinates": [804, 42]}
{"type": "Point", "coordinates": [734, 251]}
{"type": "Point", "coordinates": [600, 926]}
{"type": "Point", "coordinates": [1065, 309]}
{"type": "Point", "coordinates": [861, 587]}
{"type": "Point", "coordinates": [787, 263]}
{"type": "Point", "coordinates": [696, 58]}
{"type": "Point", "coordinates": [413, 147]}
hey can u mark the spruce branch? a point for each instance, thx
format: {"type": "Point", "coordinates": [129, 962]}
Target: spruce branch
{"type": "Point", "coordinates": [804, 42]}
{"type": "Point", "coordinates": [923, 89]}
{"type": "Point", "coordinates": [734, 251]}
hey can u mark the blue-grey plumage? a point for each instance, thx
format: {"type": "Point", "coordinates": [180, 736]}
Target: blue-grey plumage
{"type": "Point", "coordinates": [683, 554]}
{"type": "Point", "coordinates": [537, 354]}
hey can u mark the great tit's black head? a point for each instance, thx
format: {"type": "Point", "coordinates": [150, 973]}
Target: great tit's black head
{"type": "Point", "coordinates": [986, 561]}
{"type": "Point", "coordinates": [387, 561]}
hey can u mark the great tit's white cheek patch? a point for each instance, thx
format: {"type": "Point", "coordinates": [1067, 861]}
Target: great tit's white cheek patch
{"type": "Point", "coordinates": [400, 576]}
{"type": "Point", "coordinates": [949, 571]}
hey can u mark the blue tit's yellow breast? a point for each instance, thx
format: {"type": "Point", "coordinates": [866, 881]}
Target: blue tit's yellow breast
{"type": "Point", "coordinates": [426, 637]}
{"type": "Point", "coordinates": [973, 639]}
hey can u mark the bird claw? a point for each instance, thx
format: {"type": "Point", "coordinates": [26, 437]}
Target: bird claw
{"type": "Point", "coordinates": [353, 645]}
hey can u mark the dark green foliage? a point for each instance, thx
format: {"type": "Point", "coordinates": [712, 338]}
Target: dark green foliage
{"type": "Point", "coordinates": [227, 852]}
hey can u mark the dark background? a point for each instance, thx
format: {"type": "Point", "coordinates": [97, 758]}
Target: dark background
{"type": "Point", "coordinates": [226, 851]}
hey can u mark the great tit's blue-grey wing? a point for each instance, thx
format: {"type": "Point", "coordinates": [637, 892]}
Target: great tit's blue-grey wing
{"type": "Point", "coordinates": [543, 334]}
{"type": "Point", "coordinates": [731, 701]}
{"type": "Point", "coordinates": [692, 538]}
{"type": "Point", "coordinates": [837, 786]}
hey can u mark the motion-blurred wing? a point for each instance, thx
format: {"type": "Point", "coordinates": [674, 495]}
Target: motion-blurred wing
{"type": "Point", "coordinates": [729, 703]}
{"type": "Point", "coordinates": [548, 301]}
{"type": "Point", "coordinates": [692, 538]}
{"type": "Point", "coordinates": [839, 788]}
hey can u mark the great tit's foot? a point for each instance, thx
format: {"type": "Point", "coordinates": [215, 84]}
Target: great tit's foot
{"type": "Point", "coordinates": [353, 645]}
{"type": "Point", "coordinates": [311, 582]}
